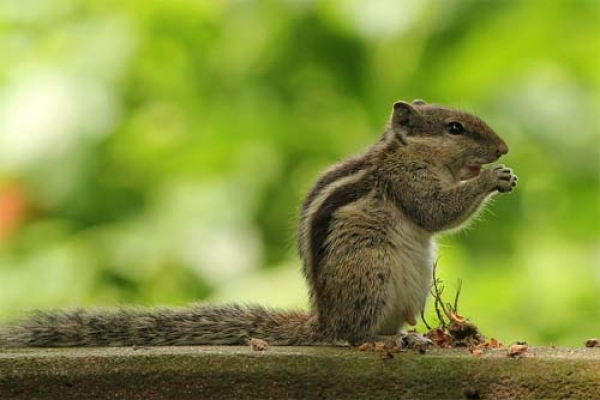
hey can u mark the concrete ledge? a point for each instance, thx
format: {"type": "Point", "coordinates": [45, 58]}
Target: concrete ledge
{"type": "Point", "coordinates": [294, 373]}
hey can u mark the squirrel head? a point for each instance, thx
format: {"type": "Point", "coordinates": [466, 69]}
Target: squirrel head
{"type": "Point", "coordinates": [460, 141]}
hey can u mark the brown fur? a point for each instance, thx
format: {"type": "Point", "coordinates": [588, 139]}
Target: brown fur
{"type": "Point", "coordinates": [366, 240]}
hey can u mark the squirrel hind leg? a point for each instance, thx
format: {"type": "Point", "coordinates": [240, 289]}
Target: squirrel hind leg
{"type": "Point", "coordinates": [352, 309]}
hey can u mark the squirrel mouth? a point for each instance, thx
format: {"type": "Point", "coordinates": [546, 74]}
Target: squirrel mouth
{"type": "Point", "coordinates": [475, 169]}
{"type": "Point", "coordinates": [470, 171]}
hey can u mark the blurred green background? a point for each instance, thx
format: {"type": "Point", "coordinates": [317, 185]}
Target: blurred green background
{"type": "Point", "coordinates": [156, 152]}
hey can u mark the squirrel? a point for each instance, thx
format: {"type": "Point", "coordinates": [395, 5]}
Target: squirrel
{"type": "Point", "coordinates": [366, 240]}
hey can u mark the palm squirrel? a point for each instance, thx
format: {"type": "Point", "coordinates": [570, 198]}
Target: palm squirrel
{"type": "Point", "coordinates": [366, 240]}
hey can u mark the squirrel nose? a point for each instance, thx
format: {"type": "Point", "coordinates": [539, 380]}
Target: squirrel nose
{"type": "Point", "coordinates": [502, 149]}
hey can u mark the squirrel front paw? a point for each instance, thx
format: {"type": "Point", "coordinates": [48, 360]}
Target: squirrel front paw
{"type": "Point", "coordinates": [503, 178]}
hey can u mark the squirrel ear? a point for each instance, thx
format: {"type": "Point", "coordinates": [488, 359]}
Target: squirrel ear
{"type": "Point", "coordinates": [419, 102]}
{"type": "Point", "coordinates": [404, 115]}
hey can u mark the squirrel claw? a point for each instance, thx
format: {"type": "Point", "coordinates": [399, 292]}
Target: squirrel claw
{"type": "Point", "coordinates": [413, 340]}
{"type": "Point", "coordinates": [506, 179]}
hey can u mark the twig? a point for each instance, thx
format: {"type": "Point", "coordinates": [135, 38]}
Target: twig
{"type": "Point", "coordinates": [458, 289]}
{"type": "Point", "coordinates": [424, 320]}
{"type": "Point", "coordinates": [436, 291]}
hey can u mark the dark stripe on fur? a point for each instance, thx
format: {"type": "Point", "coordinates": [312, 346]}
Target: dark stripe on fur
{"type": "Point", "coordinates": [347, 168]}
{"type": "Point", "coordinates": [322, 218]}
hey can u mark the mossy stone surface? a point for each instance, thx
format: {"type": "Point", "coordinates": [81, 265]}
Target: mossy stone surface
{"type": "Point", "coordinates": [295, 373]}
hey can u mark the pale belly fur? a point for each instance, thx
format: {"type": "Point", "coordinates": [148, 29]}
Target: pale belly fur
{"type": "Point", "coordinates": [411, 263]}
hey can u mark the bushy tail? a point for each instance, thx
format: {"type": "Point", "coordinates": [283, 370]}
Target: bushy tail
{"type": "Point", "coordinates": [194, 325]}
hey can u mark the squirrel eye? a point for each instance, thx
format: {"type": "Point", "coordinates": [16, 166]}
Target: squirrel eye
{"type": "Point", "coordinates": [455, 128]}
